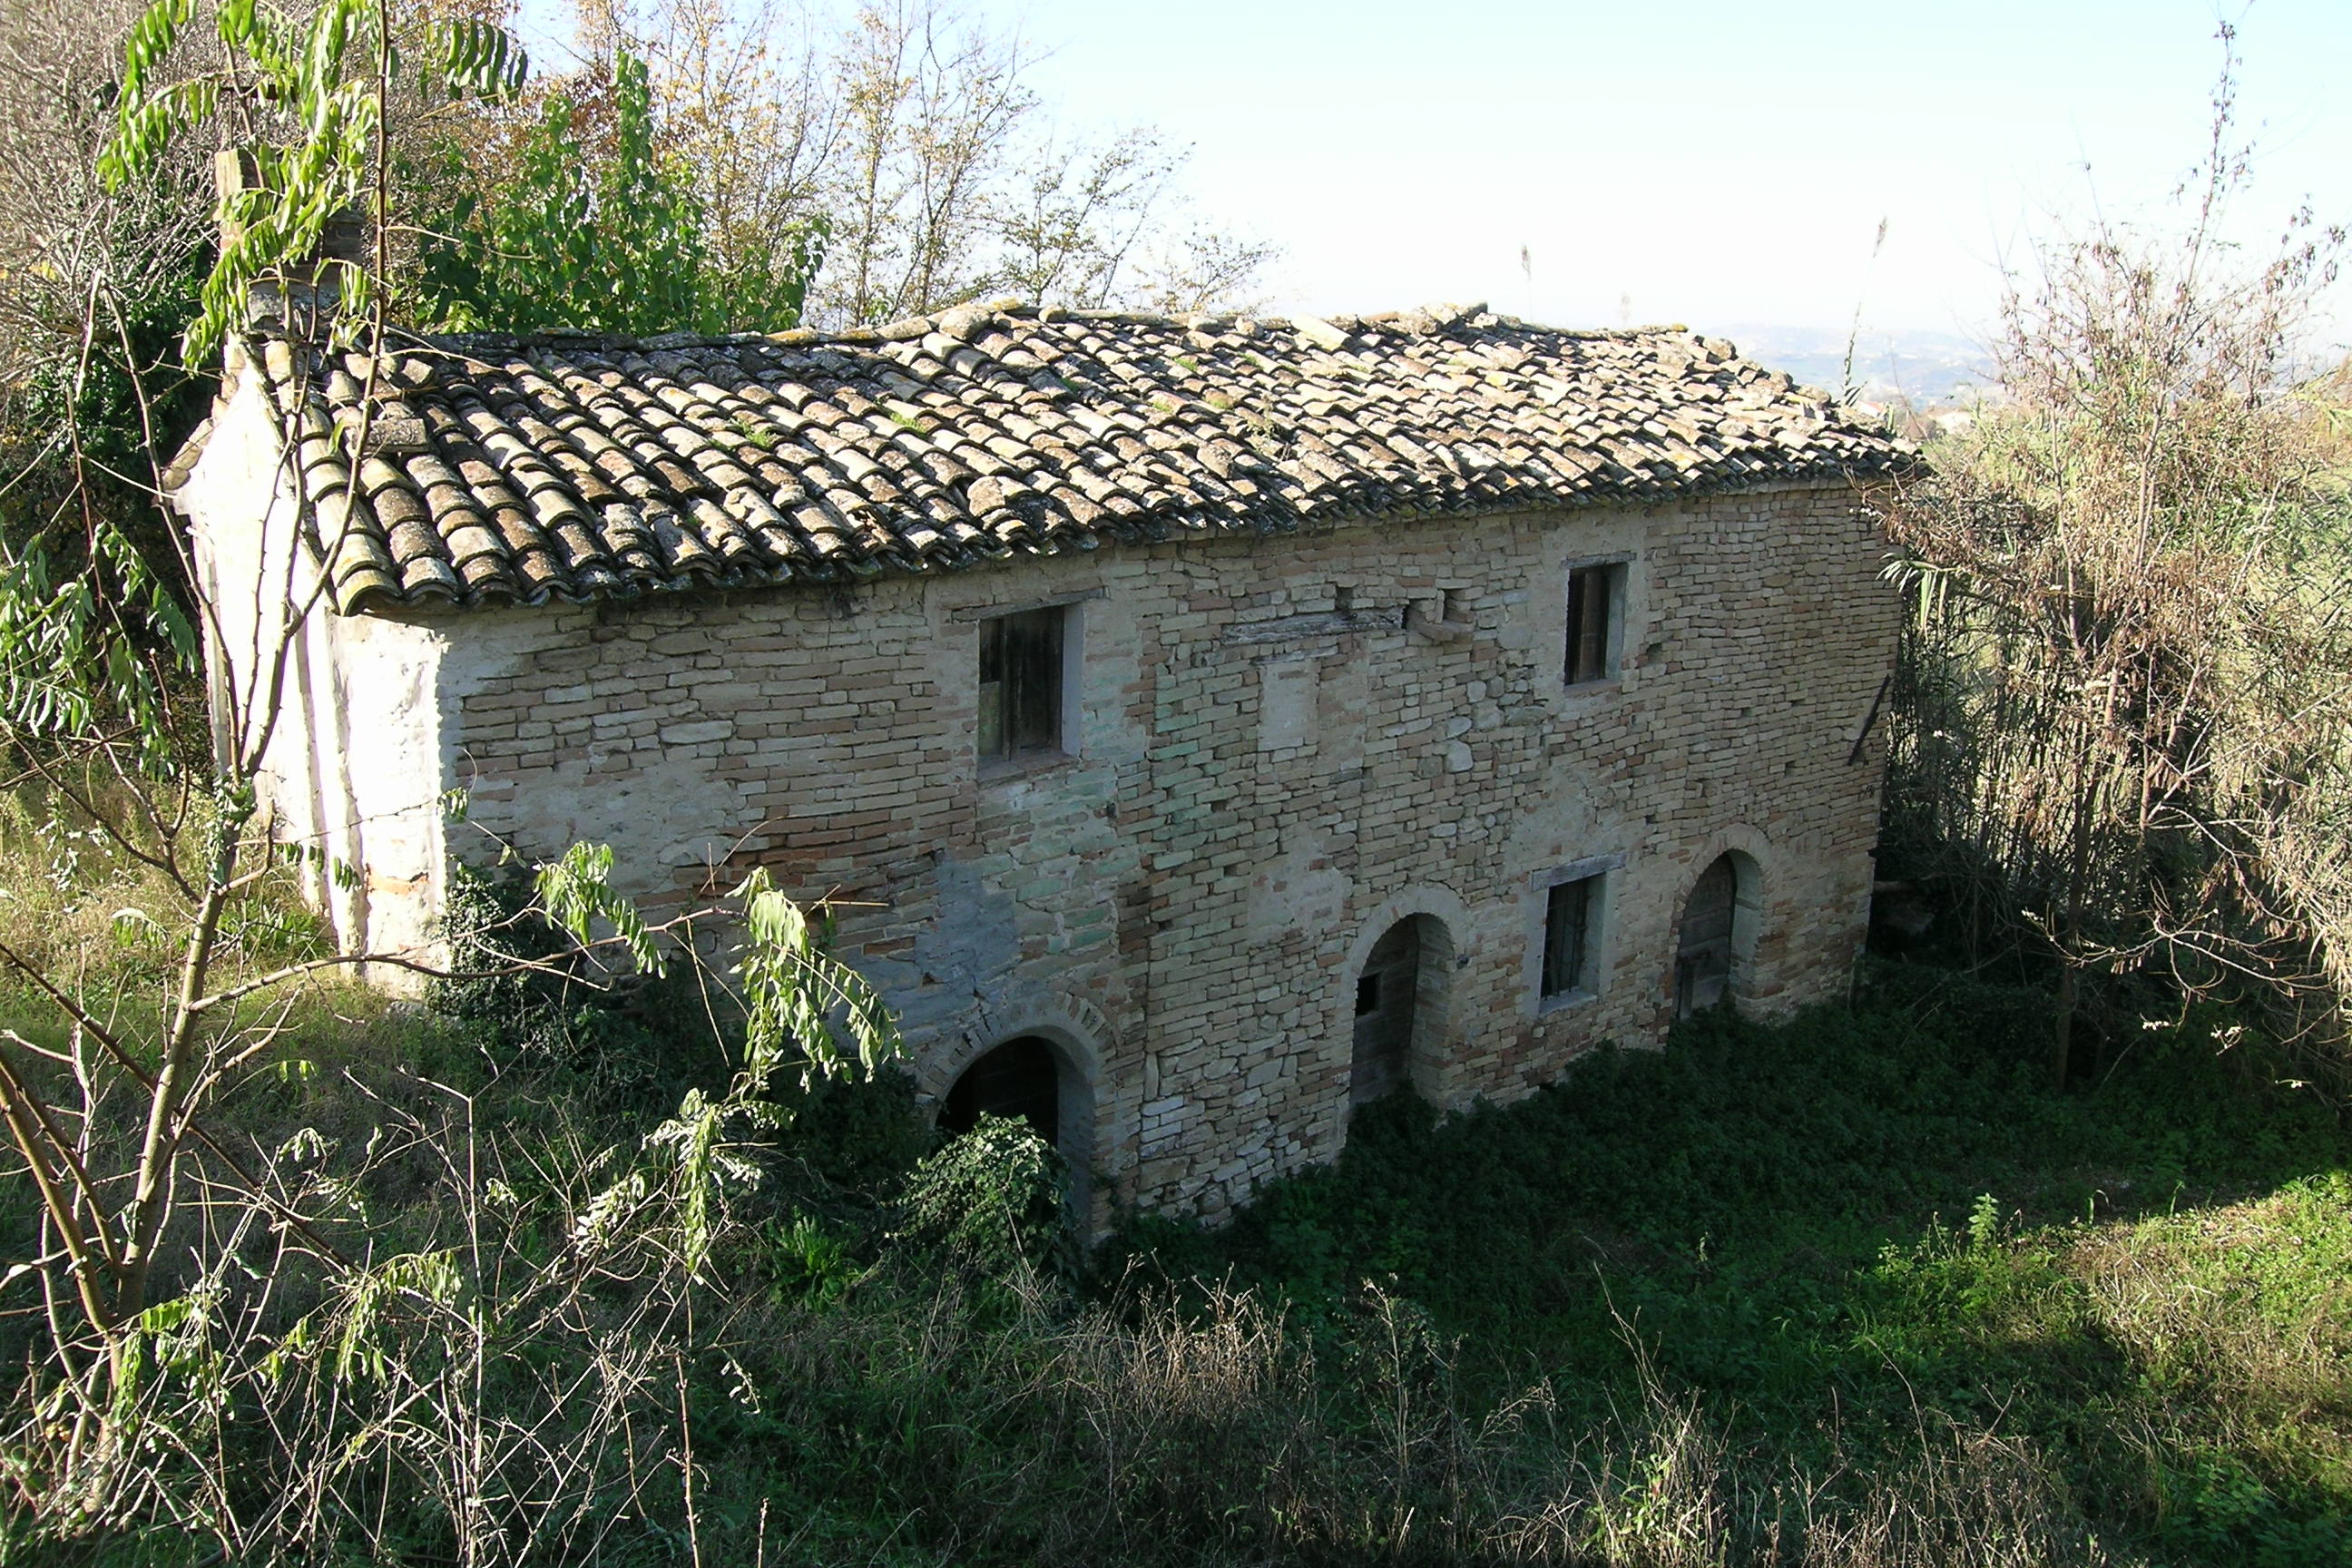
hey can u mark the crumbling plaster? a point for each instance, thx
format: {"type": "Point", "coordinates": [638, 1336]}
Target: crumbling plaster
{"type": "Point", "coordinates": [356, 738]}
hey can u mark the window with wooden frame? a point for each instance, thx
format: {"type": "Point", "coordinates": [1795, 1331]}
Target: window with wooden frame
{"type": "Point", "coordinates": [1570, 917]}
{"type": "Point", "coordinates": [1592, 610]}
{"type": "Point", "coordinates": [1021, 684]}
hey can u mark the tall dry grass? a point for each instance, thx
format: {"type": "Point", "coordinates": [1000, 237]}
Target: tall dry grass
{"type": "Point", "coordinates": [1222, 1431]}
{"type": "Point", "coordinates": [936, 1418]}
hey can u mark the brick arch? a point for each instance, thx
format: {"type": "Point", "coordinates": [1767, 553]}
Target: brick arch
{"type": "Point", "coordinates": [1755, 942]}
{"type": "Point", "coordinates": [1444, 922]}
{"type": "Point", "coordinates": [1081, 1040]}
{"type": "Point", "coordinates": [1428, 898]}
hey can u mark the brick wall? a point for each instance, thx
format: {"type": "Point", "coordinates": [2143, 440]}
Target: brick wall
{"type": "Point", "coordinates": [1273, 765]}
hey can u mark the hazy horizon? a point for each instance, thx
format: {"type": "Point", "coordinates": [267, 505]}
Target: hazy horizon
{"type": "Point", "coordinates": [1701, 162]}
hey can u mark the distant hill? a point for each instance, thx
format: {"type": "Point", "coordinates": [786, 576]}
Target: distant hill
{"type": "Point", "coordinates": [1927, 369]}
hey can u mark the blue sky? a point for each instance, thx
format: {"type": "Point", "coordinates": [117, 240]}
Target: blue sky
{"type": "Point", "coordinates": [1707, 162]}
{"type": "Point", "coordinates": [1692, 160]}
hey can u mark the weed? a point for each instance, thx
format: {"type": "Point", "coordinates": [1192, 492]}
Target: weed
{"type": "Point", "coordinates": [1859, 1291]}
{"type": "Point", "coordinates": [1760, 1211]}
{"type": "Point", "coordinates": [990, 1202]}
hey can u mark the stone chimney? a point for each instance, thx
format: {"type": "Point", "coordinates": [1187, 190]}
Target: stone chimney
{"type": "Point", "coordinates": [300, 296]}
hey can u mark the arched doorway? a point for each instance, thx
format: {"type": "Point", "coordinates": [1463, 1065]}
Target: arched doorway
{"type": "Point", "coordinates": [1718, 935]}
{"type": "Point", "coordinates": [1400, 1006]}
{"type": "Point", "coordinates": [1020, 1080]}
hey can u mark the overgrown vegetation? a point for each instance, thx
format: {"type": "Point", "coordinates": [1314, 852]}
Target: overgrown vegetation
{"type": "Point", "coordinates": [1836, 1232]}
{"type": "Point", "coordinates": [187, 1274]}
{"type": "Point", "coordinates": [582, 238]}
{"type": "Point", "coordinates": [96, 287]}
{"type": "Point", "coordinates": [584, 1262]}
{"type": "Point", "coordinates": [1863, 1289]}
{"type": "Point", "coordinates": [745, 166]}
{"type": "Point", "coordinates": [2128, 686]}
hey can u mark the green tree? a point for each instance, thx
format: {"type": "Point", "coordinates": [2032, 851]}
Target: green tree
{"type": "Point", "coordinates": [588, 231]}
{"type": "Point", "coordinates": [157, 1299]}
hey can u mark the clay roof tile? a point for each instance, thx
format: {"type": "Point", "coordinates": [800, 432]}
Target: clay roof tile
{"type": "Point", "coordinates": [575, 466]}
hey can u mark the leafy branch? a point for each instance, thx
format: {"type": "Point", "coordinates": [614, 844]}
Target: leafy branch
{"type": "Point", "coordinates": [322, 79]}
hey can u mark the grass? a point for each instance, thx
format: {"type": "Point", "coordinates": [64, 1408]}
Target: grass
{"type": "Point", "coordinates": [75, 906]}
{"type": "Point", "coordinates": [1830, 1233]}
{"type": "Point", "coordinates": [1854, 1291]}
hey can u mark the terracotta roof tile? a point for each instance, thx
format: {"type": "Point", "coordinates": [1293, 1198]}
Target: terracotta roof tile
{"type": "Point", "coordinates": [573, 467]}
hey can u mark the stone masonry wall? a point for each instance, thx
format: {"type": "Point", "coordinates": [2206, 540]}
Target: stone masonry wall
{"type": "Point", "coordinates": [1274, 764]}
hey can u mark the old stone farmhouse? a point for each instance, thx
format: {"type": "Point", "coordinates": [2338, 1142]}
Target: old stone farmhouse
{"type": "Point", "coordinates": [1216, 722]}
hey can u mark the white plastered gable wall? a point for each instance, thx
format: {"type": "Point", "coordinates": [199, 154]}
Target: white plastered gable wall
{"type": "Point", "coordinates": [358, 758]}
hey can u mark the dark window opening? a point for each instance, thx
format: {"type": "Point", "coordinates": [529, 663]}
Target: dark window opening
{"type": "Point", "coordinates": [1368, 995]}
{"type": "Point", "coordinates": [1568, 936]}
{"type": "Point", "coordinates": [1019, 1081]}
{"type": "Point", "coordinates": [1591, 602]}
{"type": "Point", "coordinates": [1021, 683]}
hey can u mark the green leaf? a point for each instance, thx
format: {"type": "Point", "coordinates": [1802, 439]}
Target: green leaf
{"type": "Point", "coordinates": [319, 77]}
{"type": "Point", "coordinates": [149, 41]}
{"type": "Point", "coordinates": [794, 993]}
{"type": "Point", "coordinates": [575, 891]}
{"type": "Point", "coordinates": [606, 235]}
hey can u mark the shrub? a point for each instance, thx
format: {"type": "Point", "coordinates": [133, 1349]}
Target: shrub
{"type": "Point", "coordinates": [991, 1201]}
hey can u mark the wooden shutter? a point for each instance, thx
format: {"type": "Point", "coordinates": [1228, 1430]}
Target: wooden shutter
{"type": "Point", "coordinates": [1566, 912]}
{"type": "Point", "coordinates": [1020, 705]}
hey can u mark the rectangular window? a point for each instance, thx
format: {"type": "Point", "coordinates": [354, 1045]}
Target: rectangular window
{"type": "Point", "coordinates": [1567, 931]}
{"type": "Point", "coordinates": [1021, 684]}
{"type": "Point", "coordinates": [1592, 607]}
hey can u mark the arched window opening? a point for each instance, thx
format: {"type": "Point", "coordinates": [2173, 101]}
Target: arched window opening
{"type": "Point", "coordinates": [1400, 1006]}
{"type": "Point", "coordinates": [1019, 1081]}
{"type": "Point", "coordinates": [1718, 935]}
